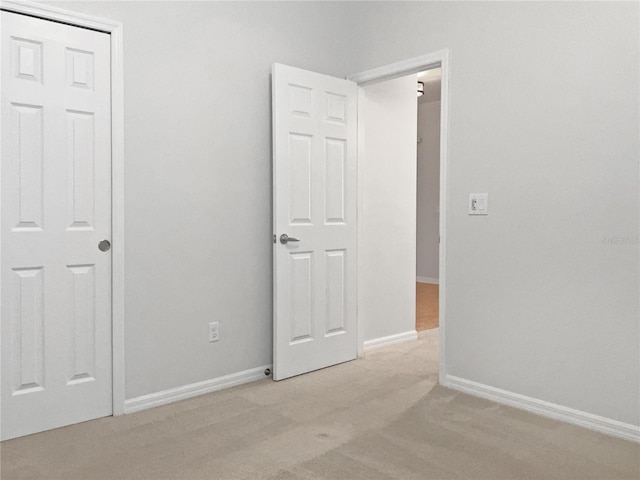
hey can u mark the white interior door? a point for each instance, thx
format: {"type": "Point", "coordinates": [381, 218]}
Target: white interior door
{"type": "Point", "coordinates": [55, 181]}
{"type": "Point", "coordinates": [314, 175]}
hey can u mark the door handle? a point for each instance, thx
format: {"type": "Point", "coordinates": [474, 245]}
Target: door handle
{"type": "Point", "coordinates": [104, 245]}
{"type": "Point", "coordinates": [284, 239]}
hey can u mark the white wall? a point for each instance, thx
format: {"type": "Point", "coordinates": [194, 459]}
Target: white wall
{"type": "Point", "coordinates": [198, 176]}
{"type": "Point", "coordinates": [428, 218]}
{"type": "Point", "coordinates": [544, 116]}
{"type": "Point", "coordinates": [387, 212]}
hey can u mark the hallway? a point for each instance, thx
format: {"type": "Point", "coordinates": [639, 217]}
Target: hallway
{"type": "Point", "coordinates": [427, 315]}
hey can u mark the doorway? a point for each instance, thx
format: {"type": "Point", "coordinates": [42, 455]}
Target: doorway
{"type": "Point", "coordinates": [386, 203]}
{"type": "Point", "coordinates": [388, 244]}
{"type": "Point", "coordinates": [428, 198]}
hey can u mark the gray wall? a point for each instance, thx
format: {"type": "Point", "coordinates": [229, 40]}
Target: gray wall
{"type": "Point", "coordinates": [544, 117]}
{"type": "Point", "coordinates": [428, 219]}
{"type": "Point", "coordinates": [198, 176]}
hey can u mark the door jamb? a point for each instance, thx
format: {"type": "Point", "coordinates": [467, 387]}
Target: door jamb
{"type": "Point", "coordinates": [396, 70]}
{"type": "Point", "coordinates": [114, 29]}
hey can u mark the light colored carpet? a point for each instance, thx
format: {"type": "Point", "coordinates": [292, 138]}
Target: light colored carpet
{"type": "Point", "coordinates": [427, 314]}
{"type": "Point", "coordinates": [379, 417]}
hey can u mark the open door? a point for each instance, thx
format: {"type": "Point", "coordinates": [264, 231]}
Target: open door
{"type": "Point", "coordinates": [314, 209]}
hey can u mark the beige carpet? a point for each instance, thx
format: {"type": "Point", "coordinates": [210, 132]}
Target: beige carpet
{"type": "Point", "coordinates": [427, 301]}
{"type": "Point", "coordinates": [379, 417]}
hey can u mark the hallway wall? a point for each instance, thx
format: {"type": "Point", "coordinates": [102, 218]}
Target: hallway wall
{"type": "Point", "coordinates": [386, 226]}
{"type": "Point", "coordinates": [428, 208]}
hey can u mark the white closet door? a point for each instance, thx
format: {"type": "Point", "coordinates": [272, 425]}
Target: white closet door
{"type": "Point", "coordinates": [55, 180]}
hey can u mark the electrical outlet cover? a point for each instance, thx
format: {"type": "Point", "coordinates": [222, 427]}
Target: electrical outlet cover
{"type": "Point", "coordinates": [214, 332]}
{"type": "Point", "coordinates": [478, 204]}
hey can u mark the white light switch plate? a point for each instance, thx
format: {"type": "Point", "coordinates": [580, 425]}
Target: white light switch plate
{"type": "Point", "coordinates": [214, 332]}
{"type": "Point", "coordinates": [478, 204]}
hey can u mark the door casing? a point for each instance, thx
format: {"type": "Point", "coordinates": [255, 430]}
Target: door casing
{"type": "Point", "coordinates": [388, 72]}
{"type": "Point", "coordinates": [114, 29]}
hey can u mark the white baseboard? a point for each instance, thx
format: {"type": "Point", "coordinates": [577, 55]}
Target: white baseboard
{"type": "Point", "coordinates": [397, 338]}
{"type": "Point", "coordinates": [432, 280]}
{"type": "Point", "coordinates": [546, 409]}
{"type": "Point", "coordinates": [193, 390]}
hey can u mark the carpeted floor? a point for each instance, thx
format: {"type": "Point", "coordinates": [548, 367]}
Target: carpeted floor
{"type": "Point", "coordinates": [379, 417]}
{"type": "Point", "coordinates": [427, 314]}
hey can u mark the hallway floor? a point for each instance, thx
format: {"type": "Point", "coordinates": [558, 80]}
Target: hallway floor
{"type": "Point", "coordinates": [427, 314]}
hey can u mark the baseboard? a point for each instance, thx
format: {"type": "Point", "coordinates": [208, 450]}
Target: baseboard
{"type": "Point", "coordinates": [558, 412]}
{"type": "Point", "coordinates": [397, 338]}
{"type": "Point", "coordinates": [193, 390]}
{"type": "Point", "coordinates": [432, 280]}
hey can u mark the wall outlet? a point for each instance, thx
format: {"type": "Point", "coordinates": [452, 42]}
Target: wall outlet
{"type": "Point", "coordinates": [214, 333]}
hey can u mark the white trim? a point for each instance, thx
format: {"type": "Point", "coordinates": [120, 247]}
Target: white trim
{"type": "Point", "coordinates": [114, 29]}
{"type": "Point", "coordinates": [395, 70]}
{"type": "Point", "coordinates": [399, 69]}
{"type": "Point", "coordinates": [56, 14]}
{"type": "Point", "coordinates": [193, 390]}
{"type": "Point", "coordinates": [444, 202]}
{"type": "Point", "coordinates": [359, 218]}
{"type": "Point", "coordinates": [546, 409]}
{"type": "Point", "coordinates": [118, 219]}
{"type": "Point", "coordinates": [390, 340]}
{"type": "Point", "coordinates": [432, 280]}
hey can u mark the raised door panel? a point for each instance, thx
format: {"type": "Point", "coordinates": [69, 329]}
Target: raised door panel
{"type": "Point", "coordinates": [302, 298]}
{"type": "Point", "coordinates": [81, 328]}
{"type": "Point", "coordinates": [80, 68]}
{"type": "Point", "coordinates": [335, 170]}
{"type": "Point", "coordinates": [81, 169]}
{"type": "Point", "coordinates": [301, 156]}
{"type": "Point", "coordinates": [27, 309]}
{"type": "Point", "coordinates": [26, 167]}
{"type": "Point", "coordinates": [301, 100]}
{"type": "Point", "coordinates": [336, 292]}
{"type": "Point", "coordinates": [26, 59]}
{"type": "Point", "coordinates": [336, 108]}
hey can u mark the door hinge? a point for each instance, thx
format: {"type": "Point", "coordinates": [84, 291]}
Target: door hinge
{"type": "Point", "coordinates": [274, 238]}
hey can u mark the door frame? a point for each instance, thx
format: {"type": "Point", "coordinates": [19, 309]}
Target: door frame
{"type": "Point", "coordinates": [114, 29]}
{"type": "Point", "coordinates": [388, 72]}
